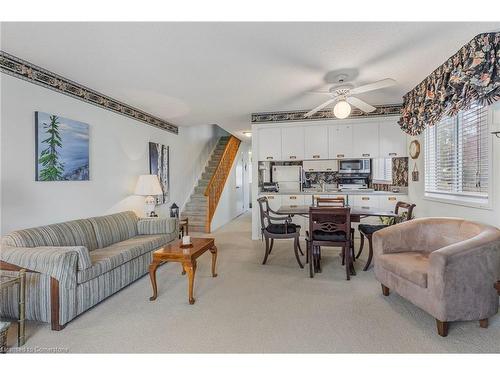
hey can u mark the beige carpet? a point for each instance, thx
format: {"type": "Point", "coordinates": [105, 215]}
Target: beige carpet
{"type": "Point", "coordinates": [254, 308]}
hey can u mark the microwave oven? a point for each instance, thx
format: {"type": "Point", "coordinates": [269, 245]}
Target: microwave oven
{"type": "Point", "coordinates": [354, 166]}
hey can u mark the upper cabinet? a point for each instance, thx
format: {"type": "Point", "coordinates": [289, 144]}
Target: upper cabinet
{"type": "Point", "coordinates": [292, 143]}
{"type": "Point", "coordinates": [365, 140]}
{"type": "Point", "coordinates": [316, 142]}
{"type": "Point", "coordinates": [270, 144]}
{"type": "Point", "coordinates": [392, 140]}
{"type": "Point", "coordinates": [340, 141]}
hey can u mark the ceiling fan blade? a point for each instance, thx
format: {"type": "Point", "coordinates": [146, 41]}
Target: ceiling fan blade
{"type": "Point", "coordinates": [319, 107]}
{"type": "Point", "coordinates": [358, 103]}
{"type": "Point", "coordinates": [374, 86]}
{"type": "Point", "coordinates": [319, 92]}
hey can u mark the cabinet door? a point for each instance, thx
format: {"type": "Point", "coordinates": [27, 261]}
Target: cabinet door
{"type": "Point", "coordinates": [365, 201]}
{"type": "Point", "coordinates": [365, 139]}
{"type": "Point", "coordinates": [388, 202]}
{"type": "Point", "coordinates": [340, 141]}
{"type": "Point", "coordinates": [296, 200]}
{"type": "Point", "coordinates": [274, 201]}
{"type": "Point", "coordinates": [316, 142]}
{"type": "Point", "coordinates": [392, 140]}
{"type": "Point", "coordinates": [292, 141]}
{"type": "Point", "coordinates": [270, 144]}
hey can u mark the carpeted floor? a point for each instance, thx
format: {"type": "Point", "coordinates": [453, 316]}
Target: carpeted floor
{"type": "Point", "coordinates": [254, 308]}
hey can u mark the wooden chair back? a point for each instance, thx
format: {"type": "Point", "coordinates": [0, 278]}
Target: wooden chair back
{"type": "Point", "coordinates": [330, 220]}
{"type": "Point", "coordinates": [330, 202]}
{"type": "Point", "coordinates": [406, 206]}
{"type": "Point", "coordinates": [264, 212]}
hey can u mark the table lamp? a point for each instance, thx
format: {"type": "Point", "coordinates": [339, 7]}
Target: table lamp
{"type": "Point", "coordinates": [148, 185]}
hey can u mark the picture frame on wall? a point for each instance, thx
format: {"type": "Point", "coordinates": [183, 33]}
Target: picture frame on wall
{"type": "Point", "coordinates": [61, 148]}
{"type": "Point", "coordinates": [159, 165]}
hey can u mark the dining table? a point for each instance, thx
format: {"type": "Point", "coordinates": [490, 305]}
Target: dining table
{"type": "Point", "coordinates": [357, 213]}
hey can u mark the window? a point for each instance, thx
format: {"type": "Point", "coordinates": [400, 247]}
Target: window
{"type": "Point", "coordinates": [457, 157]}
{"type": "Point", "coordinates": [382, 170]}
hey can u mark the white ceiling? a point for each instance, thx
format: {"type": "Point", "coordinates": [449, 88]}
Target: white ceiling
{"type": "Point", "coordinates": [203, 73]}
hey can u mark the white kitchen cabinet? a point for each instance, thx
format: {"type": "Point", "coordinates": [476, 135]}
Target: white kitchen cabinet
{"type": "Point", "coordinates": [388, 202]}
{"type": "Point", "coordinates": [316, 142]}
{"type": "Point", "coordinates": [340, 141]}
{"type": "Point", "coordinates": [320, 165]}
{"type": "Point", "coordinates": [269, 144]}
{"type": "Point", "coordinates": [292, 143]}
{"type": "Point", "coordinates": [365, 140]}
{"type": "Point", "coordinates": [274, 201]}
{"type": "Point", "coordinates": [392, 140]}
{"type": "Point", "coordinates": [295, 200]}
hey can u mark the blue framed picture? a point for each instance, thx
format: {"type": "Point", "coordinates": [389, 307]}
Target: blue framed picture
{"type": "Point", "coordinates": [62, 148]}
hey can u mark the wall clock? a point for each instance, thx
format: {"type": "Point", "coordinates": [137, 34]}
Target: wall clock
{"type": "Point", "coordinates": [414, 149]}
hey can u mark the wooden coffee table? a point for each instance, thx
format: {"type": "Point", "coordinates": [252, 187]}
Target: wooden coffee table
{"type": "Point", "coordinates": [173, 252]}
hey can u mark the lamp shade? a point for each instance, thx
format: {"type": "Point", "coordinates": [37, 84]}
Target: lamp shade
{"type": "Point", "coordinates": [148, 184]}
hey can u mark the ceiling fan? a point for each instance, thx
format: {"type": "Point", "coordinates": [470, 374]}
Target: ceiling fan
{"type": "Point", "coordinates": [341, 93]}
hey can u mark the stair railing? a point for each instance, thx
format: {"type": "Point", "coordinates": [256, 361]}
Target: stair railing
{"type": "Point", "coordinates": [217, 182]}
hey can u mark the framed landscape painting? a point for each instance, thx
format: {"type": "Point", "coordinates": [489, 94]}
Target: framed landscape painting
{"type": "Point", "coordinates": [62, 148]}
{"type": "Point", "coordinates": [158, 165]}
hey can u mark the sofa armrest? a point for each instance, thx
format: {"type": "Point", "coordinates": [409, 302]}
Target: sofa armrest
{"type": "Point", "coordinates": [157, 225]}
{"type": "Point", "coordinates": [59, 262]}
{"type": "Point", "coordinates": [396, 238]}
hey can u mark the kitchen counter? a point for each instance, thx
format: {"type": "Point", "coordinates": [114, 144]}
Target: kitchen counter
{"type": "Point", "coordinates": [347, 192]}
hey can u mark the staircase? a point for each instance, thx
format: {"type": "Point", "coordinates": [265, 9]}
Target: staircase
{"type": "Point", "coordinates": [203, 201]}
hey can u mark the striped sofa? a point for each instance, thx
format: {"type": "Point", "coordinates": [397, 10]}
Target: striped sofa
{"type": "Point", "coordinates": [77, 264]}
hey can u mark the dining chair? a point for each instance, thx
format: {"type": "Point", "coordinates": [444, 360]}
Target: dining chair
{"type": "Point", "coordinates": [278, 227]}
{"type": "Point", "coordinates": [329, 226]}
{"type": "Point", "coordinates": [367, 230]}
{"type": "Point", "coordinates": [336, 202]}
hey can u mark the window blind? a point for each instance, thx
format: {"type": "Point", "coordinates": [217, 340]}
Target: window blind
{"type": "Point", "coordinates": [457, 154]}
{"type": "Point", "coordinates": [382, 170]}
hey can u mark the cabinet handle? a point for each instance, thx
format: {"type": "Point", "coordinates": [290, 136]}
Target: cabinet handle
{"type": "Point", "coordinates": [365, 207]}
{"type": "Point", "coordinates": [311, 169]}
{"type": "Point", "coordinates": [392, 198]}
{"type": "Point", "coordinates": [366, 155]}
{"type": "Point", "coordinates": [270, 197]}
{"type": "Point", "coordinates": [328, 169]}
{"type": "Point", "coordinates": [292, 157]}
{"type": "Point", "coordinates": [315, 156]}
{"type": "Point", "coordinates": [365, 198]}
{"type": "Point", "coordinates": [293, 205]}
{"type": "Point", "coordinates": [393, 153]}
{"type": "Point", "coordinates": [293, 197]}
{"type": "Point", "coordinates": [269, 158]}
{"type": "Point", "coordinates": [340, 155]}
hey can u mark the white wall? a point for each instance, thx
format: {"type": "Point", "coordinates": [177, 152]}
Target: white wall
{"type": "Point", "coordinates": [232, 201]}
{"type": "Point", "coordinates": [427, 207]}
{"type": "Point", "coordinates": [118, 154]}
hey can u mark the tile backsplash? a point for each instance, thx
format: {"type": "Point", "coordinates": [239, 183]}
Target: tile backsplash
{"type": "Point", "coordinates": [316, 177]}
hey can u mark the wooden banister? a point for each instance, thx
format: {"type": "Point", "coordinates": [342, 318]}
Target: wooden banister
{"type": "Point", "coordinates": [216, 184]}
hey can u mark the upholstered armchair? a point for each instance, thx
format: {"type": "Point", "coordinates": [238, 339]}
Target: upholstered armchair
{"type": "Point", "coordinates": [449, 267]}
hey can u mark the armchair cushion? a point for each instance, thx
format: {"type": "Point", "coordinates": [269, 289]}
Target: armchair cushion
{"type": "Point", "coordinates": [280, 228]}
{"type": "Point", "coordinates": [412, 266]}
{"type": "Point", "coordinates": [157, 225]}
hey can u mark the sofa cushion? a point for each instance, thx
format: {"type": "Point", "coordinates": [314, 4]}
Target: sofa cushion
{"type": "Point", "coordinates": [412, 266]}
{"type": "Point", "coordinates": [69, 233]}
{"type": "Point", "coordinates": [114, 228]}
{"type": "Point", "coordinates": [104, 260]}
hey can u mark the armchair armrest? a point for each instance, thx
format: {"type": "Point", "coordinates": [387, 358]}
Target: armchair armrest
{"type": "Point", "coordinates": [59, 262]}
{"type": "Point", "coordinates": [156, 225]}
{"type": "Point", "coordinates": [467, 271]}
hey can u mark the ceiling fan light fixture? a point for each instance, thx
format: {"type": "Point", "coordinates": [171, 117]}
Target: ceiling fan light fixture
{"type": "Point", "coordinates": [342, 109]}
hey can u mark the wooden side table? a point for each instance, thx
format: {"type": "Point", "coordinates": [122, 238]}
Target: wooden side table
{"type": "Point", "coordinates": [7, 281]}
{"type": "Point", "coordinates": [173, 252]}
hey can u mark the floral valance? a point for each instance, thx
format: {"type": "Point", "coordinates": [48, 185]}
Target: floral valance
{"type": "Point", "coordinates": [471, 76]}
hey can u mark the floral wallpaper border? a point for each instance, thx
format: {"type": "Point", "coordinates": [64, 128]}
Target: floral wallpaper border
{"type": "Point", "coordinates": [471, 76]}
